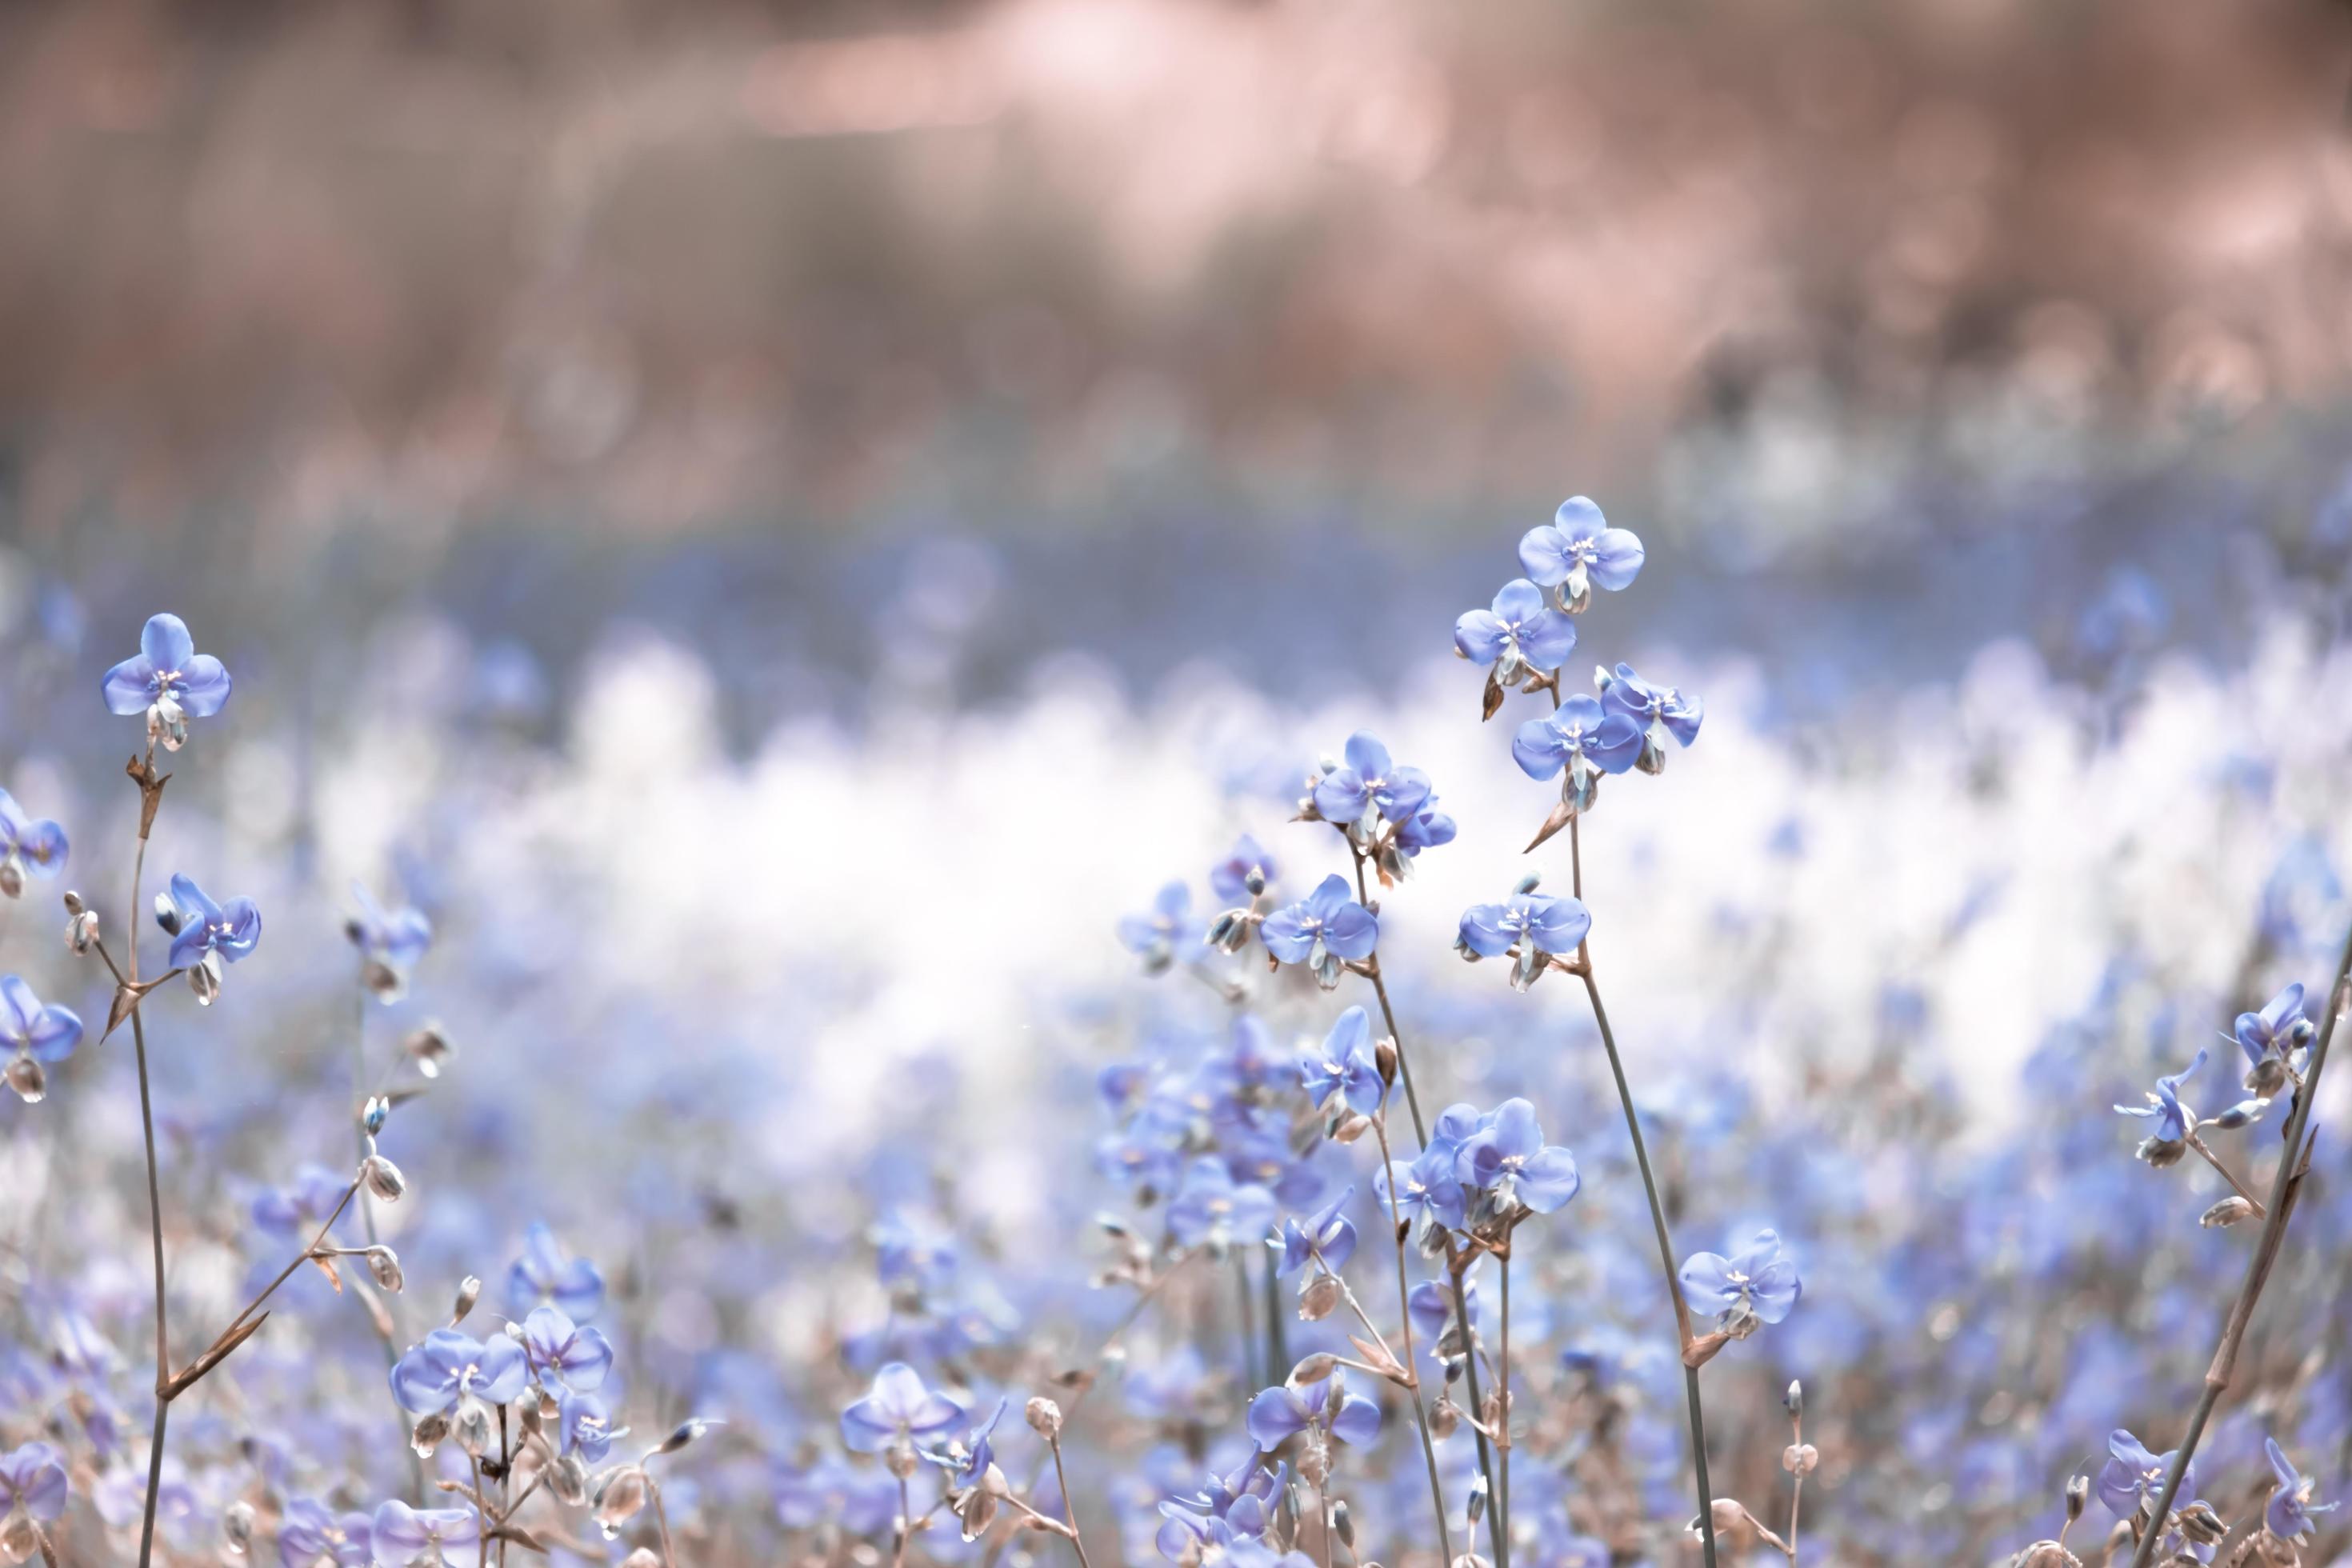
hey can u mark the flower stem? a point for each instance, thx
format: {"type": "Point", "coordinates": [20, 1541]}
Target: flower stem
{"type": "Point", "coordinates": [1069, 1509]}
{"type": "Point", "coordinates": [1503, 1405]}
{"type": "Point", "coordinates": [2293, 1161]}
{"type": "Point", "coordinates": [2228, 1176]}
{"type": "Point", "coordinates": [1496, 1539]}
{"type": "Point", "coordinates": [1397, 1228]}
{"type": "Point", "coordinates": [151, 793]}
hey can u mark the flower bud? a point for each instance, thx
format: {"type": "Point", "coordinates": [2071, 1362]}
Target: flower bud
{"type": "Point", "coordinates": [167, 914]}
{"type": "Point", "coordinates": [1044, 1417]}
{"type": "Point", "coordinates": [205, 979]}
{"type": "Point", "coordinates": [1477, 1499]}
{"type": "Point", "coordinates": [1528, 884]}
{"type": "Point", "coordinates": [382, 1178]}
{"type": "Point", "coordinates": [569, 1479]}
{"type": "Point", "coordinates": [12, 878]}
{"type": "Point", "coordinates": [1444, 1418]}
{"type": "Point", "coordinates": [619, 1499]}
{"type": "Point", "coordinates": [237, 1526]}
{"type": "Point", "coordinates": [2201, 1525]}
{"type": "Point", "coordinates": [385, 1264]}
{"type": "Point", "coordinates": [27, 1077]}
{"type": "Point", "coordinates": [469, 1290]}
{"type": "Point", "coordinates": [472, 1428]}
{"type": "Point", "coordinates": [1385, 1056]}
{"type": "Point", "coordinates": [2245, 1113]}
{"type": "Point", "coordinates": [1255, 880]}
{"type": "Point", "coordinates": [1343, 1523]}
{"type": "Point", "coordinates": [81, 932]}
{"type": "Point", "coordinates": [684, 1432]}
{"type": "Point", "coordinates": [2227, 1212]}
{"type": "Point", "coordinates": [375, 1113]}
{"type": "Point", "coordinates": [1793, 1402]}
{"type": "Point", "coordinates": [1315, 1302]}
{"type": "Point", "coordinates": [428, 1435]}
{"type": "Point", "coordinates": [2078, 1492]}
{"type": "Point", "coordinates": [430, 1048]}
{"type": "Point", "coordinates": [1314, 1368]}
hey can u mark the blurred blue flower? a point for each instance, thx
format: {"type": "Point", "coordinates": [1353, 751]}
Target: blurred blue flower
{"type": "Point", "coordinates": [561, 1352]}
{"type": "Point", "coordinates": [2132, 1473]}
{"type": "Point", "coordinates": [1153, 937]}
{"type": "Point", "coordinates": [1228, 1509]}
{"type": "Point", "coordinates": [390, 941]}
{"type": "Point", "coordinates": [1229, 878]}
{"type": "Point", "coordinates": [33, 1478]}
{"type": "Point", "coordinates": [310, 1531]}
{"type": "Point", "coordinates": [1423, 1190]}
{"type": "Point", "coordinates": [543, 1273]}
{"type": "Point", "coordinates": [312, 1198]}
{"type": "Point", "coordinates": [1212, 1207]}
{"type": "Point", "coordinates": [169, 681]}
{"type": "Point", "coordinates": [2164, 1144]}
{"type": "Point", "coordinates": [27, 844]}
{"type": "Point", "coordinates": [897, 1409]}
{"type": "Point", "coordinates": [2289, 1513]}
{"type": "Point", "coordinates": [406, 1537]}
{"type": "Point", "coordinates": [1578, 549]}
{"type": "Point", "coordinates": [1282, 1411]}
{"type": "Point", "coordinates": [35, 1034]}
{"type": "Point", "coordinates": [1757, 1285]}
{"type": "Point", "coordinates": [1369, 780]}
{"type": "Point", "coordinates": [2273, 1040]}
{"type": "Point", "coordinates": [1521, 633]}
{"type": "Point", "coordinates": [1325, 1236]}
{"type": "Point", "coordinates": [1345, 1070]}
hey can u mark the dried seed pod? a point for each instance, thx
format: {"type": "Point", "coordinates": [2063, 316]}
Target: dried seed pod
{"type": "Point", "coordinates": [1044, 1417]}
{"type": "Point", "coordinates": [1315, 1302]}
{"type": "Point", "coordinates": [620, 1499]}
{"type": "Point", "coordinates": [382, 1178]}
{"type": "Point", "coordinates": [428, 1435]}
{"type": "Point", "coordinates": [237, 1526]}
{"type": "Point", "coordinates": [27, 1077]}
{"type": "Point", "coordinates": [2227, 1212]}
{"type": "Point", "coordinates": [385, 1264]}
{"type": "Point", "coordinates": [1314, 1368]}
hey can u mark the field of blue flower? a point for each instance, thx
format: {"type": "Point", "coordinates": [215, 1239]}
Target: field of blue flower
{"type": "Point", "coordinates": [514, 1120]}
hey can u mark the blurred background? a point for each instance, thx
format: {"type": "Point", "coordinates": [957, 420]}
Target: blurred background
{"type": "Point", "coordinates": [775, 525]}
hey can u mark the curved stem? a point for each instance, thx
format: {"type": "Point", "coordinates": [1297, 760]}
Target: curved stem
{"type": "Point", "coordinates": [2292, 1161]}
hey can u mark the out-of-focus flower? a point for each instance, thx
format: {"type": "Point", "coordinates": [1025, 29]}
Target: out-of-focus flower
{"type": "Point", "coordinates": [561, 1351]}
{"type": "Point", "coordinates": [33, 1482]}
{"type": "Point", "coordinates": [36, 1034]}
{"type": "Point", "coordinates": [1154, 936]}
{"type": "Point", "coordinates": [545, 1273]}
{"type": "Point", "coordinates": [2289, 1513]}
{"type": "Point", "coordinates": [1212, 1209]}
{"type": "Point", "coordinates": [1533, 927]}
{"type": "Point", "coordinates": [1322, 929]}
{"type": "Point", "coordinates": [2275, 1040]}
{"type": "Point", "coordinates": [28, 845]}
{"type": "Point", "coordinates": [1507, 1166]}
{"type": "Point", "coordinates": [898, 1409]}
{"type": "Point", "coordinates": [1369, 780]}
{"type": "Point", "coordinates": [404, 1537]}
{"type": "Point", "coordinates": [207, 936]}
{"type": "Point", "coordinates": [1345, 1070]}
{"type": "Point", "coordinates": [1230, 877]}
{"type": "Point", "coordinates": [1228, 1510]}
{"type": "Point", "coordinates": [2132, 1473]}
{"type": "Point", "coordinates": [1324, 1235]}
{"type": "Point", "coordinates": [1521, 633]}
{"type": "Point", "coordinates": [1282, 1411]}
{"type": "Point", "coordinates": [169, 680]}
{"type": "Point", "coordinates": [310, 1532]}
{"type": "Point", "coordinates": [1660, 711]}
{"type": "Point", "coordinates": [2173, 1120]}
{"type": "Point", "coordinates": [1755, 1286]}
{"type": "Point", "coordinates": [1423, 1190]}
{"type": "Point", "coordinates": [315, 1192]}
{"type": "Point", "coordinates": [1579, 549]}
{"type": "Point", "coordinates": [390, 942]}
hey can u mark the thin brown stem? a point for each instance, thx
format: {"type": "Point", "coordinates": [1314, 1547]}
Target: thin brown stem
{"type": "Point", "coordinates": [150, 794]}
{"type": "Point", "coordinates": [1496, 1539]}
{"type": "Point", "coordinates": [1503, 1401]}
{"type": "Point", "coordinates": [1397, 1230]}
{"type": "Point", "coordinates": [1069, 1508]}
{"type": "Point", "coordinates": [2228, 1176]}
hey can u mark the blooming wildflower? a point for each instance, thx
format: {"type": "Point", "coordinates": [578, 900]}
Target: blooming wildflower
{"type": "Point", "coordinates": [1578, 549]}
{"type": "Point", "coordinates": [1212, 1208]}
{"type": "Point", "coordinates": [32, 1492]}
{"type": "Point", "coordinates": [1152, 937]}
{"type": "Point", "coordinates": [1423, 1191]}
{"type": "Point", "coordinates": [1229, 878]}
{"type": "Point", "coordinates": [1370, 781]}
{"type": "Point", "coordinates": [1581, 737]}
{"type": "Point", "coordinates": [2133, 1475]}
{"type": "Point", "coordinates": [2275, 1040]}
{"type": "Point", "coordinates": [545, 1274]}
{"type": "Point", "coordinates": [1521, 633]}
{"type": "Point", "coordinates": [311, 1533]}
{"type": "Point", "coordinates": [312, 1198]}
{"type": "Point", "coordinates": [205, 935]}
{"type": "Point", "coordinates": [861, 1500]}
{"type": "Point", "coordinates": [1325, 1236]}
{"type": "Point", "coordinates": [912, 1254]}
{"type": "Point", "coordinates": [560, 1351]}
{"type": "Point", "coordinates": [974, 1483]}
{"type": "Point", "coordinates": [452, 1379]}
{"type": "Point", "coordinates": [27, 844]}
{"type": "Point", "coordinates": [402, 1537]}
{"type": "Point", "coordinates": [1661, 710]}
{"type": "Point", "coordinates": [1429, 1306]}
{"type": "Point", "coordinates": [1344, 1071]}
{"type": "Point", "coordinates": [2174, 1120]}
{"type": "Point", "coordinates": [1530, 926]}
{"type": "Point", "coordinates": [34, 1034]}
{"type": "Point", "coordinates": [390, 942]}
{"type": "Point", "coordinates": [170, 680]}
{"type": "Point", "coordinates": [1284, 1410]}
{"type": "Point", "coordinates": [2291, 1508]}
{"type": "Point", "coordinates": [1322, 930]}
{"type": "Point", "coordinates": [897, 1410]}
{"type": "Point", "coordinates": [1228, 1509]}
{"type": "Point", "coordinates": [586, 1425]}
{"type": "Point", "coordinates": [1507, 1166]}
{"type": "Point", "coordinates": [1757, 1286]}
{"type": "Point", "coordinates": [1425, 829]}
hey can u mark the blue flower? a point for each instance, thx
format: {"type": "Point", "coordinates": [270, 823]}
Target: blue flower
{"type": "Point", "coordinates": [1370, 781]}
{"type": "Point", "coordinates": [205, 935]}
{"type": "Point", "coordinates": [1519, 634]}
{"type": "Point", "coordinates": [587, 1425]}
{"type": "Point", "coordinates": [390, 942]}
{"type": "Point", "coordinates": [1756, 1286]}
{"type": "Point", "coordinates": [1211, 1207]}
{"type": "Point", "coordinates": [2291, 1508]}
{"type": "Point", "coordinates": [1325, 1236]}
{"type": "Point", "coordinates": [1534, 928]}
{"type": "Point", "coordinates": [967, 1459]}
{"type": "Point", "coordinates": [1345, 1070]}
{"type": "Point", "coordinates": [1660, 711]}
{"type": "Point", "coordinates": [897, 1409]}
{"type": "Point", "coordinates": [1323, 929]}
{"type": "Point", "coordinates": [2132, 1473]}
{"type": "Point", "coordinates": [1152, 937]}
{"type": "Point", "coordinates": [1282, 1411]}
{"type": "Point", "coordinates": [35, 1034]}
{"type": "Point", "coordinates": [561, 1352]}
{"type": "Point", "coordinates": [861, 1500]}
{"type": "Point", "coordinates": [2275, 1040]}
{"type": "Point", "coordinates": [169, 680]}
{"type": "Point", "coordinates": [1509, 1167]}
{"type": "Point", "coordinates": [1583, 738]}
{"type": "Point", "coordinates": [449, 1367]}
{"type": "Point", "coordinates": [1229, 878]}
{"type": "Point", "coordinates": [545, 1274]}
{"type": "Point", "coordinates": [310, 1531]}
{"type": "Point", "coordinates": [911, 1253]}
{"type": "Point", "coordinates": [313, 1196]}
{"type": "Point", "coordinates": [1423, 1191]}
{"type": "Point", "coordinates": [27, 844]}
{"type": "Point", "coordinates": [1227, 1510]}
{"type": "Point", "coordinates": [2164, 1145]}
{"type": "Point", "coordinates": [33, 1478]}
{"type": "Point", "coordinates": [1578, 549]}
{"type": "Point", "coordinates": [1430, 1307]}
{"type": "Point", "coordinates": [433, 1537]}
{"type": "Point", "coordinates": [1425, 829]}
